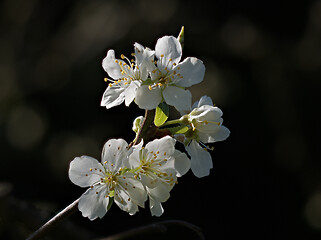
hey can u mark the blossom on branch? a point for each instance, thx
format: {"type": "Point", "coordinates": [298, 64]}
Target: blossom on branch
{"type": "Point", "coordinates": [126, 75]}
{"type": "Point", "coordinates": [158, 165]}
{"type": "Point", "coordinates": [205, 122]}
{"type": "Point", "coordinates": [107, 181]}
{"type": "Point", "coordinates": [169, 77]}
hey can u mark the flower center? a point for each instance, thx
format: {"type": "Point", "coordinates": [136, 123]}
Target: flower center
{"type": "Point", "coordinates": [166, 73]}
{"type": "Point", "coordinates": [128, 69]}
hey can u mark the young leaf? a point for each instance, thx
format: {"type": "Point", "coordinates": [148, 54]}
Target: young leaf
{"type": "Point", "coordinates": [178, 130]}
{"type": "Point", "coordinates": [161, 115]}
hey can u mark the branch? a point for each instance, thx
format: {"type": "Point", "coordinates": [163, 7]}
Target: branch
{"type": "Point", "coordinates": [54, 221]}
{"type": "Point", "coordinates": [147, 125]}
{"type": "Point", "coordinates": [160, 227]}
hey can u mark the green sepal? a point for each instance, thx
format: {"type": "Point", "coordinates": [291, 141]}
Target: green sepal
{"type": "Point", "coordinates": [161, 115]}
{"type": "Point", "coordinates": [111, 193]}
{"type": "Point", "coordinates": [110, 203]}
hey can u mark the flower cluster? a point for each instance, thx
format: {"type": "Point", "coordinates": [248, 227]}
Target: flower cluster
{"type": "Point", "coordinates": [128, 176]}
{"type": "Point", "coordinates": [148, 167]}
{"type": "Point", "coordinates": [152, 77]}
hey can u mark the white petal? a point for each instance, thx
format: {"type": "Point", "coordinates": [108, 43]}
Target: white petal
{"type": "Point", "coordinates": [206, 113]}
{"type": "Point", "coordinates": [149, 181]}
{"type": "Point", "coordinates": [144, 58]}
{"type": "Point", "coordinates": [170, 48]}
{"type": "Point", "coordinates": [85, 171]}
{"type": "Point", "coordinates": [134, 188]}
{"type": "Point", "coordinates": [123, 201]}
{"type": "Point", "coordinates": [164, 147]}
{"type": "Point", "coordinates": [209, 127]}
{"type": "Point", "coordinates": [114, 154]}
{"type": "Point", "coordinates": [182, 163]}
{"type": "Point", "coordinates": [160, 193]}
{"type": "Point", "coordinates": [110, 66]}
{"type": "Point", "coordinates": [134, 157]}
{"type": "Point", "coordinates": [148, 99]}
{"type": "Point", "coordinates": [177, 97]}
{"type": "Point", "coordinates": [156, 208]}
{"type": "Point", "coordinates": [220, 135]}
{"type": "Point", "coordinates": [192, 70]}
{"type": "Point", "coordinates": [113, 96]}
{"type": "Point", "coordinates": [130, 92]}
{"type": "Point", "coordinates": [204, 100]}
{"type": "Point", "coordinates": [213, 114]}
{"type": "Point", "coordinates": [201, 160]}
{"type": "Point", "coordinates": [93, 203]}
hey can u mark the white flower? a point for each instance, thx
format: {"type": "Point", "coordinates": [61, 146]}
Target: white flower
{"type": "Point", "coordinates": [126, 76]}
{"type": "Point", "coordinates": [170, 77]}
{"type": "Point", "coordinates": [158, 165]}
{"type": "Point", "coordinates": [205, 121]}
{"type": "Point", "coordinates": [107, 181]}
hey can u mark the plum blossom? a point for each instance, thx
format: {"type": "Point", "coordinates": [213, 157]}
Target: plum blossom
{"type": "Point", "coordinates": [169, 77]}
{"type": "Point", "coordinates": [126, 75]}
{"type": "Point", "coordinates": [107, 181]}
{"type": "Point", "coordinates": [158, 165]}
{"type": "Point", "coordinates": [205, 122]}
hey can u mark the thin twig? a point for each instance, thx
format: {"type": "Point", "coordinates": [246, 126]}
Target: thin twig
{"type": "Point", "coordinates": [160, 227]}
{"type": "Point", "coordinates": [54, 221]}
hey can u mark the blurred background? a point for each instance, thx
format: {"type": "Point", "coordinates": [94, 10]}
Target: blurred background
{"type": "Point", "coordinates": [263, 69]}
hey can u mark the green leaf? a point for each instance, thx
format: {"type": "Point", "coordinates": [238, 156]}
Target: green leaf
{"type": "Point", "coordinates": [181, 37]}
{"type": "Point", "coordinates": [178, 130]}
{"type": "Point", "coordinates": [161, 115]}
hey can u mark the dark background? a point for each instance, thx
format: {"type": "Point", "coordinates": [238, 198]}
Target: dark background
{"type": "Point", "coordinates": [263, 62]}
